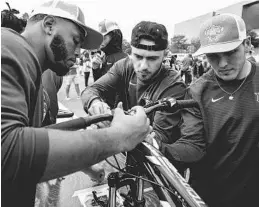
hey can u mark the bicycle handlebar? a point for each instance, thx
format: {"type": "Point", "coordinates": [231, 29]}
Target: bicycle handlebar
{"type": "Point", "coordinates": [166, 104]}
{"type": "Point", "coordinates": [81, 122]}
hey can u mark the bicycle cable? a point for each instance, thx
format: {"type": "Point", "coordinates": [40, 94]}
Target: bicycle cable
{"type": "Point", "coordinates": [114, 156]}
{"type": "Point", "coordinates": [178, 196]}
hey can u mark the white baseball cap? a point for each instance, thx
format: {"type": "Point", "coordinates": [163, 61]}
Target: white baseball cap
{"type": "Point", "coordinates": [72, 12]}
{"type": "Point", "coordinates": [221, 33]}
{"type": "Point", "coordinates": [107, 26]}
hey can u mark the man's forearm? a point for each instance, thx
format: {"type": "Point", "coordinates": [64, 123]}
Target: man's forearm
{"type": "Point", "coordinates": [166, 127]}
{"type": "Point", "coordinates": [88, 95]}
{"type": "Point", "coordinates": [105, 88]}
{"type": "Point", "coordinates": [184, 152]}
{"type": "Point", "coordinates": [72, 151]}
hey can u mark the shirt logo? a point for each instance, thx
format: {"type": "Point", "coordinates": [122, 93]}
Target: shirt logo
{"type": "Point", "coordinates": [257, 96]}
{"type": "Point", "coordinates": [145, 99]}
{"type": "Point", "coordinates": [132, 83]}
{"type": "Point", "coordinates": [213, 33]}
{"type": "Point", "coordinates": [215, 100]}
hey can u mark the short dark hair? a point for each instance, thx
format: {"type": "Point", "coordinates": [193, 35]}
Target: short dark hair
{"type": "Point", "coordinates": [10, 20]}
{"type": "Point", "coordinates": [37, 17]}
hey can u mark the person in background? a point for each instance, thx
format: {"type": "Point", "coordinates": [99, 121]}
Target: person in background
{"type": "Point", "coordinates": [97, 57]}
{"type": "Point", "coordinates": [250, 56]}
{"type": "Point", "coordinates": [72, 77]}
{"type": "Point", "coordinates": [173, 60]}
{"type": "Point", "coordinates": [198, 69]}
{"type": "Point", "coordinates": [81, 64]}
{"type": "Point", "coordinates": [128, 51]}
{"type": "Point", "coordinates": [186, 69]}
{"type": "Point", "coordinates": [220, 139]}
{"type": "Point", "coordinates": [87, 67]}
{"type": "Point", "coordinates": [178, 65]}
{"type": "Point", "coordinates": [111, 47]}
{"type": "Point", "coordinates": [166, 62]}
{"type": "Point", "coordinates": [206, 65]}
{"type": "Point", "coordinates": [30, 153]}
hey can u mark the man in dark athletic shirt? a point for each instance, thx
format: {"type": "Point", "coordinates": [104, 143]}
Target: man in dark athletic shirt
{"type": "Point", "coordinates": [220, 141]}
{"type": "Point", "coordinates": [139, 79]}
{"type": "Point", "coordinates": [52, 39]}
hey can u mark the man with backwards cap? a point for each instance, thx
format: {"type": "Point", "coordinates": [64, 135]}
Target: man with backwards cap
{"type": "Point", "coordinates": [139, 79]}
{"type": "Point", "coordinates": [111, 46]}
{"type": "Point", "coordinates": [221, 139]}
{"type": "Point", "coordinates": [30, 154]}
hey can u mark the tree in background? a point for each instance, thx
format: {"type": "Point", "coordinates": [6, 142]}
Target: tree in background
{"type": "Point", "coordinates": [25, 16]}
{"type": "Point", "coordinates": [196, 43]}
{"type": "Point", "coordinates": [178, 44]}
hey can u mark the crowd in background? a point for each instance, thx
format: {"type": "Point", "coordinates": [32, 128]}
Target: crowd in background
{"type": "Point", "coordinates": [95, 63]}
{"type": "Point", "coordinates": [190, 68]}
{"type": "Point", "coordinates": [166, 78]}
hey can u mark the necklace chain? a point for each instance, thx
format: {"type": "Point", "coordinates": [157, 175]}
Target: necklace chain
{"type": "Point", "coordinates": [230, 94]}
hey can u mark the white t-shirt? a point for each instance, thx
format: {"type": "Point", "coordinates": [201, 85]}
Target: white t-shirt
{"type": "Point", "coordinates": [87, 66]}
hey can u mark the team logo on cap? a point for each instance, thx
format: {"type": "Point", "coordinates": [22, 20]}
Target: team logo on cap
{"type": "Point", "coordinates": [213, 33]}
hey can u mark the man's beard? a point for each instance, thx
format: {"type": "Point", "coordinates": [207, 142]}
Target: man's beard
{"type": "Point", "coordinates": [147, 77]}
{"type": "Point", "coordinates": [60, 53]}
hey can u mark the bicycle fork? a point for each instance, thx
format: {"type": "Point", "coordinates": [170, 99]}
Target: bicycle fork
{"type": "Point", "coordinates": [135, 196]}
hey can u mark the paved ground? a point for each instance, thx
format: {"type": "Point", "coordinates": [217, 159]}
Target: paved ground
{"type": "Point", "coordinates": [76, 181]}
{"type": "Point", "coordinates": [73, 104]}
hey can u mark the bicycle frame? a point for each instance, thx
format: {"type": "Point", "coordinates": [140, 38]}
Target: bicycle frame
{"type": "Point", "coordinates": [150, 162]}
{"type": "Point", "coordinates": [146, 160]}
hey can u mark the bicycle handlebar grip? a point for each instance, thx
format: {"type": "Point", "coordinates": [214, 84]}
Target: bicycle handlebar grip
{"type": "Point", "coordinates": [83, 122]}
{"type": "Point", "coordinates": [71, 125]}
{"type": "Point", "coordinates": [80, 123]}
{"type": "Point", "coordinates": [186, 103]}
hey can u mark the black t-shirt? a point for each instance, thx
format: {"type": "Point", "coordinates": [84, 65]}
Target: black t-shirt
{"type": "Point", "coordinates": [24, 146]}
{"type": "Point", "coordinates": [221, 140]}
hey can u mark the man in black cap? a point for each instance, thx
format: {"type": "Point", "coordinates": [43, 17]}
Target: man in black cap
{"type": "Point", "coordinates": [139, 79]}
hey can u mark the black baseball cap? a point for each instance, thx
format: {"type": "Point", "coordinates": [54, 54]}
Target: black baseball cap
{"type": "Point", "coordinates": [150, 31]}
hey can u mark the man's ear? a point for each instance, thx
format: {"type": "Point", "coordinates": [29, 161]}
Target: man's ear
{"type": "Point", "coordinates": [130, 55]}
{"type": "Point", "coordinates": [48, 23]}
{"type": "Point", "coordinates": [247, 44]}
